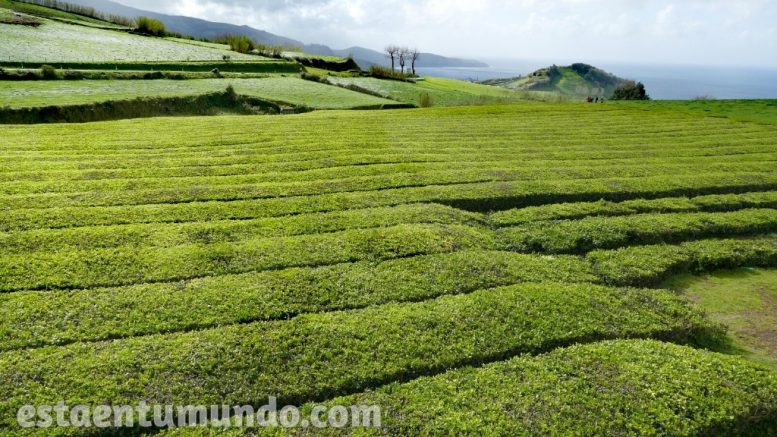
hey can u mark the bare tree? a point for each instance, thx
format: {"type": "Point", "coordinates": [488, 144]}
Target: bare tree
{"type": "Point", "coordinates": [392, 52]}
{"type": "Point", "coordinates": [404, 55]}
{"type": "Point", "coordinates": [414, 55]}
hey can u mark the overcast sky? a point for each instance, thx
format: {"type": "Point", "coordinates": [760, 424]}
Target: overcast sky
{"type": "Point", "coordinates": [704, 32]}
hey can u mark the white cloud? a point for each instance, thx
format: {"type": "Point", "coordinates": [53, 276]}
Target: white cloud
{"type": "Point", "coordinates": [657, 31]}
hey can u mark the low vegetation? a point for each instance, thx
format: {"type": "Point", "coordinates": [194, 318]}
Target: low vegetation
{"type": "Point", "coordinates": [150, 26]}
{"type": "Point", "coordinates": [142, 107]}
{"type": "Point", "coordinates": [624, 387]}
{"type": "Point", "coordinates": [288, 90]}
{"type": "Point", "coordinates": [630, 91]}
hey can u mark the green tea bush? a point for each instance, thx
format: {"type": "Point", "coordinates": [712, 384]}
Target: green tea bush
{"type": "Point", "coordinates": [609, 388]}
{"type": "Point", "coordinates": [146, 309]}
{"type": "Point", "coordinates": [318, 356]}
{"type": "Point", "coordinates": [581, 236]}
{"type": "Point", "coordinates": [602, 208]}
{"type": "Point", "coordinates": [649, 265]}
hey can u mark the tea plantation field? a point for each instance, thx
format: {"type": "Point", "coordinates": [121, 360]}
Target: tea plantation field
{"type": "Point", "coordinates": [55, 42]}
{"type": "Point", "coordinates": [472, 269]}
{"type": "Point", "coordinates": [291, 90]}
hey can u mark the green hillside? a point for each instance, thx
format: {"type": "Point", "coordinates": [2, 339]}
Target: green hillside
{"type": "Point", "coordinates": [56, 41]}
{"type": "Point", "coordinates": [502, 259]}
{"type": "Point", "coordinates": [576, 80]}
{"type": "Point", "coordinates": [443, 92]}
{"type": "Point", "coordinates": [182, 225]}
{"type": "Point", "coordinates": [54, 14]}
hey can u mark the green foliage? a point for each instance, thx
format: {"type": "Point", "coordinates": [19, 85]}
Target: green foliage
{"type": "Point", "coordinates": [576, 81]}
{"type": "Point", "coordinates": [650, 265]}
{"type": "Point", "coordinates": [318, 356]}
{"type": "Point", "coordinates": [381, 72]}
{"type": "Point", "coordinates": [364, 254]}
{"type": "Point", "coordinates": [150, 26]}
{"type": "Point", "coordinates": [145, 309]}
{"type": "Point", "coordinates": [614, 387]}
{"type": "Point", "coordinates": [60, 42]}
{"type": "Point", "coordinates": [207, 104]}
{"type": "Point", "coordinates": [630, 90]}
{"type": "Point", "coordinates": [444, 92]}
{"type": "Point", "coordinates": [581, 236]}
{"type": "Point", "coordinates": [602, 208]}
{"type": "Point", "coordinates": [48, 72]}
{"type": "Point", "coordinates": [239, 43]}
{"type": "Point", "coordinates": [425, 100]}
{"type": "Point", "coordinates": [289, 91]}
{"type": "Point", "coordinates": [55, 9]}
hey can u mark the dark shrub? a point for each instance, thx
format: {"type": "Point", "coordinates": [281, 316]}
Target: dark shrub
{"type": "Point", "coordinates": [630, 90]}
{"type": "Point", "coordinates": [154, 75]}
{"type": "Point", "coordinates": [312, 77]}
{"type": "Point", "coordinates": [387, 73]}
{"type": "Point", "coordinates": [48, 72]}
{"type": "Point", "coordinates": [73, 75]}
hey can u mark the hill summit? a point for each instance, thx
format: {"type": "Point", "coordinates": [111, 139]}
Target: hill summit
{"type": "Point", "coordinates": [576, 80]}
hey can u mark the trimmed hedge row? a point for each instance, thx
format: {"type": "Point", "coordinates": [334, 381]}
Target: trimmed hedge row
{"type": "Point", "coordinates": [318, 356]}
{"type": "Point", "coordinates": [238, 187]}
{"type": "Point", "coordinates": [205, 104]}
{"type": "Point", "coordinates": [61, 317]}
{"type": "Point", "coordinates": [309, 169]}
{"type": "Point", "coordinates": [269, 66]}
{"type": "Point", "coordinates": [488, 196]}
{"type": "Point", "coordinates": [649, 265]}
{"type": "Point", "coordinates": [125, 266]}
{"type": "Point", "coordinates": [434, 172]}
{"type": "Point", "coordinates": [581, 236]}
{"type": "Point", "coordinates": [624, 387]}
{"type": "Point", "coordinates": [239, 151]}
{"type": "Point", "coordinates": [574, 211]}
{"type": "Point", "coordinates": [234, 231]}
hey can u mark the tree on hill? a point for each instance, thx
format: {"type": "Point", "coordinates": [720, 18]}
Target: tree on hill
{"type": "Point", "coordinates": [630, 90]}
{"type": "Point", "coordinates": [414, 55]}
{"type": "Point", "coordinates": [392, 52]}
{"type": "Point", "coordinates": [403, 55]}
{"type": "Point", "coordinates": [150, 26]}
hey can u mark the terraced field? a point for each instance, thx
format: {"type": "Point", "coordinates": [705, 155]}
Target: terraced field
{"type": "Point", "coordinates": [56, 41]}
{"type": "Point", "coordinates": [285, 89]}
{"type": "Point", "coordinates": [476, 268]}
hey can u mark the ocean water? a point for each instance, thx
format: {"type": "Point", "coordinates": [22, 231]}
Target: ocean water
{"type": "Point", "coordinates": [662, 82]}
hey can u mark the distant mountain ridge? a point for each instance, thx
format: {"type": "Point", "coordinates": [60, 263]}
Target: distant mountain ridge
{"type": "Point", "coordinates": [576, 80]}
{"type": "Point", "coordinates": [208, 29]}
